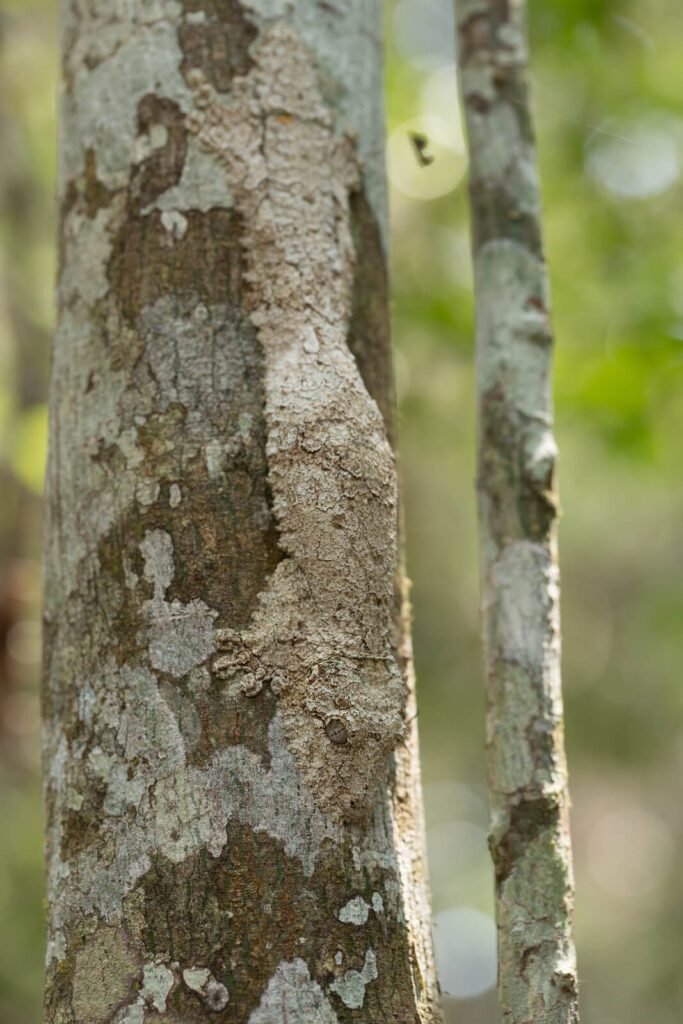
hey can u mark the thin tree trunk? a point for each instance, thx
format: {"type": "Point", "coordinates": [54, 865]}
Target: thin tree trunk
{"type": "Point", "coordinates": [517, 512]}
{"type": "Point", "coordinates": [232, 793]}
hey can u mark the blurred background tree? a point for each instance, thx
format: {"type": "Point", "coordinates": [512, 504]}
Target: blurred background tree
{"type": "Point", "coordinates": [608, 82]}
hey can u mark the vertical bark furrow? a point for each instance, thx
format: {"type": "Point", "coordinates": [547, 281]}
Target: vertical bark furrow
{"type": "Point", "coordinates": [517, 512]}
{"type": "Point", "coordinates": [199, 867]}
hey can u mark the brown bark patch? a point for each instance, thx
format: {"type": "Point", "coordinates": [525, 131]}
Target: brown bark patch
{"type": "Point", "coordinates": [225, 546]}
{"type": "Point", "coordinates": [225, 722]}
{"type": "Point", "coordinates": [475, 34]}
{"type": "Point", "coordinates": [148, 262]}
{"type": "Point", "coordinates": [97, 196]}
{"type": "Point", "coordinates": [528, 820]}
{"type": "Point", "coordinates": [81, 829]}
{"type": "Point", "coordinates": [218, 44]}
{"type": "Point", "coordinates": [243, 913]}
{"type": "Point", "coordinates": [224, 550]}
{"type": "Point", "coordinates": [163, 168]}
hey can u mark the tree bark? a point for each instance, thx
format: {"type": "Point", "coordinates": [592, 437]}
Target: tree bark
{"type": "Point", "coordinates": [232, 793]}
{"type": "Point", "coordinates": [517, 513]}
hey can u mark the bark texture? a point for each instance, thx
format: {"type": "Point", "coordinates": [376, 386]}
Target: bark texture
{"type": "Point", "coordinates": [232, 791]}
{"type": "Point", "coordinates": [518, 512]}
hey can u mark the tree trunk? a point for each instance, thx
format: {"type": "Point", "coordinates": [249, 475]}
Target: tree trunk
{"type": "Point", "coordinates": [517, 513]}
{"type": "Point", "coordinates": [232, 792]}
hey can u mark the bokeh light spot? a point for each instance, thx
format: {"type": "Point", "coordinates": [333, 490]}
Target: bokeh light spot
{"type": "Point", "coordinates": [465, 945]}
{"type": "Point", "coordinates": [421, 180]}
{"type": "Point", "coordinates": [636, 159]}
{"type": "Point", "coordinates": [439, 99]}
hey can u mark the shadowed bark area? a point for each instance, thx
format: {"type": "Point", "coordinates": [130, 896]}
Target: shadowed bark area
{"type": "Point", "coordinates": [198, 869]}
{"type": "Point", "coordinates": [518, 505]}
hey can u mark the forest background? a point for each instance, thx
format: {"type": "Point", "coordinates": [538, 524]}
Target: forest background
{"type": "Point", "coordinates": [608, 89]}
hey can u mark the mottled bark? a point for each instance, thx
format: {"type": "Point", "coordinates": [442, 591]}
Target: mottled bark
{"type": "Point", "coordinates": [232, 791]}
{"type": "Point", "coordinates": [517, 512]}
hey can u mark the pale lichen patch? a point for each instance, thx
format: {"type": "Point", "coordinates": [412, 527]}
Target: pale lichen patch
{"type": "Point", "coordinates": [351, 987]}
{"type": "Point", "coordinates": [214, 454]}
{"type": "Point", "coordinates": [502, 133]}
{"type": "Point", "coordinates": [202, 185]}
{"type": "Point", "coordinates": [356, 911]}
{"type": "Point", "coordinates": [100, 111]}
{"type": "Point", "coordinates": [133, 1014]}
{"type": "Point", "coordinates": [55, 949]}
{"type": "Point", "coordinates": [74, 799]}
{"type": "Point", "coordinates": [157, 551]}
{"type": "Point", "coordinates": [154, 138]}
{"type": "Point", "coordinates": [213, 992]}
{"type": "Point", "coordinates": [175, 223]}
{"type": "Point", "coordinates": [157, 981]}
{"type": "Point", "coordinates": [522, 607]}
{"type": "Point", "coordinates": [85, 273]}
{"type": "Point", "coordinates": [294, 996]}
{"type": "Point", "coordinates": [196, 977]}
{"type": "Point", "coordinates": [147, 492]}
{"type": "Point", "coordinates": [187, 809]}
{"type": "Point", "coordinates": [180, 636]}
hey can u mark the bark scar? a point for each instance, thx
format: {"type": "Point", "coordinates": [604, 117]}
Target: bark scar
{"type": "Point", "coordinates": [322, 636]}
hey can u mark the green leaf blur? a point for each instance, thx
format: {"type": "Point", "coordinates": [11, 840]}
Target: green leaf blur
{"type": "Point", "coordinates": [607, 87]}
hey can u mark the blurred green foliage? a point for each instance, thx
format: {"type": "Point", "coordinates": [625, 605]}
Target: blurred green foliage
{"type": "Point", "coordinates": [607, 85]}
{"type": "Point", "coordinates": [608, 82]}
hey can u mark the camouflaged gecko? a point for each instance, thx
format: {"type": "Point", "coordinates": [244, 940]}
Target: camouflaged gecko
{"type": "Point", "coordinates": [322, 637]}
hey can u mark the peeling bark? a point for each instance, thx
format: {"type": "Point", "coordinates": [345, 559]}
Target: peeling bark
{"type": "Point", "coordinates": [234, 823]}
{"type": "Point", "coordinates": [518, 512]}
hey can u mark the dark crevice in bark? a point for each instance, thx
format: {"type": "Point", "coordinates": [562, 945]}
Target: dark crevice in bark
{"type": "Point", "coordinates": [369, 336]}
